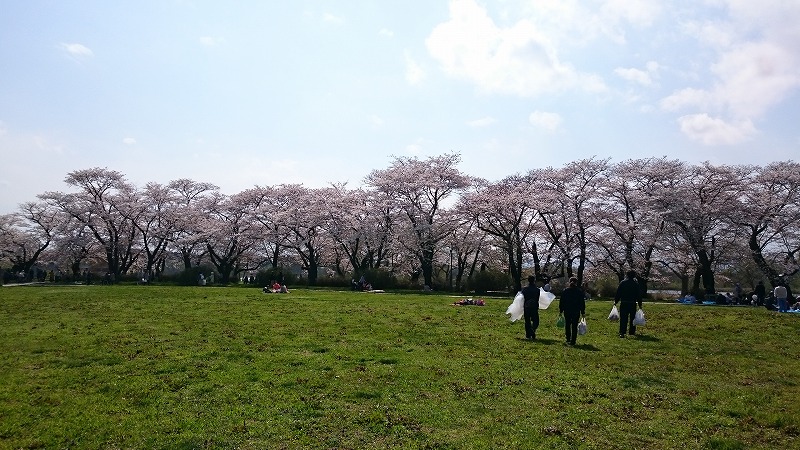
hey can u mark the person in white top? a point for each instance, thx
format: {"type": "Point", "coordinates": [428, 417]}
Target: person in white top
{"type": "Point", "coordinates": [780, 294]}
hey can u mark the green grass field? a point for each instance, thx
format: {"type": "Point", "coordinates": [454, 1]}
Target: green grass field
{"type": "Point", "coordinates": [179, 368]}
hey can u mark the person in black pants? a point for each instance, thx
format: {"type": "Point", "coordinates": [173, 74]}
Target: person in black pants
{"type": "Point", "coordinates": [573, 306]}
{"type": "Point", "coordinates": [628, 295]}
{"type": "Point", "coordinates": [531, 294]}
{"type": "Point", "coordinates": [761, 293]}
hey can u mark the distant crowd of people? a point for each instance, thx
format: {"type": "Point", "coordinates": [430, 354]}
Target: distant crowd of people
{"type": "Point", "coordinates": [778, 299]}
{"type": "Point", "coordinates": [275, 288]}
{"type": "Point", "coordinates": [361, 285]}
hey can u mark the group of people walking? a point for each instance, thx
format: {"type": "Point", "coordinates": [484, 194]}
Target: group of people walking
{"type": "Point", "coordinates": [572, 306]}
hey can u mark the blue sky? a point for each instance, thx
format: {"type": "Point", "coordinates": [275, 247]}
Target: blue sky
{"type": "Point", "coordinates": [240, 93]}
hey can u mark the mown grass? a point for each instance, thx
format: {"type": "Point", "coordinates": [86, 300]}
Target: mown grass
{"type": "Point", "coordinates": [176, 367]}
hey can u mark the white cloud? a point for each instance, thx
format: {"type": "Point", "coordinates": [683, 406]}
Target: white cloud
{"type": "Point", "coordinates": [78, 51]}
{"type": "Point", "coordinates": [332, 18]}
{"type": "Point", "coordinates": [756, 68]}
{"type": "Point", "coordinates": [713, 131]}
{"type": "Point", "coordinates": [42, 143]}
{"type": "Point", "coordinates": [639, 13]}
{"type": "Point", "coordinates": [546, 120]}
{"type": "Point", "coordinates": [482, 122]}
{"type": "Point", "coordinates": [519, 59]}
{"type": "Point", "coordinates": [414, 73]}
{"type": "Point", "coordinates": [419, 146]}
{"type": "Point", "coordinates": [376, 120]}
{"type": "Point", "coordinates": [413, 149]}
{"type": "Point", "coordinates": [634, 75]}
{"type": "Point", "coordinates": [210, 41]}
{"type": "Point", "coordinates": [642, 77]}
{"type": "Point", "coordinates": [129, 141]}
{"type": "Point", "coordinates": [749, 79]}
{"type": "Point", "coordinates": [754, 77]}
{"type": "Point", "coordinates": [385, 32]}
{"type": "Point", "coordinates": [579, 22]}
{"type": "Point", "coordinates": [687, 97]}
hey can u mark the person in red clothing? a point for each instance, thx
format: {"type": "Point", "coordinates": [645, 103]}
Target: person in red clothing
{"type": "Point", "coordinates": [629, 294]}
{"type": "Point", "coordinates": [573, 306]}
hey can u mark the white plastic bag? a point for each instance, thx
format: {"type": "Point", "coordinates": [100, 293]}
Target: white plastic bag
{"type": "Point", "coordinates": [638, 319]}
{"type": "Point", "coordinates": [517, 308]}
{"type": "Point", "coordinates": [545, 298]}
{"type": "Point", "coordinates": [582, 326]}
{"type": "Point", "coordinates": [614, 315]}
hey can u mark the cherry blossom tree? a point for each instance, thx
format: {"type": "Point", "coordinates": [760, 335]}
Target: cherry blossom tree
{"type": "Point", "coordinates": [699, 207]}
{"type": "Point", "coordinates": [101, 202]}
{"type": "Point", "coordinates": [769, 211]}
{"type": "Point", "coordinates": [418, 189]}
{"type": "Point", "coordinates": [569, 210]}
{"type": "Point", "coordinates": [267, 205]}
{"type": "Point", "coordinates": [18, 247]}
{"type": "Point", "coordinates": [676, 258]}
{"type": "Point", "coordinates": [188, 237]}
{"type": "Point", "coordinates": [505, 209]}
{"type": "Point", "coordinates": [73, 245]}
{"type": "Point", "coordinates": [230, 233]}
{"type": "Point", "coordinates": [360, 223]}
{"type": "Point", "coordinates": [156, 218]}
{"type": "Point", "coordinates": [304, 219]}
{"type": "Point", "coordinates": [466, 245]}
{"type": "Point", "coordinates": [661, 217]}
{"type": "Point", "coordinates": [632, 229]}
{"type": "Point", "coordinates": [8, 234]}
{"type": "Point", "coordinates": [26, 235]}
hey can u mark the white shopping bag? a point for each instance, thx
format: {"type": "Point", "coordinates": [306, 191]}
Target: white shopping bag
{"type": "Point", "coordinates": [614, 315]}
{"type": "Point", "coordinates": [582, 326]}
{"type": "Point", "coordinates": [638, 320]}
{"type": "Point", "coordinates": [545, 298]}
{"type": "Point", "coordinates": [517, 308]}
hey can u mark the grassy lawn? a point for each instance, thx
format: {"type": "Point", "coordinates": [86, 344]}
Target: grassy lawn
{"type": "Point", "coordinates": [181, 367]}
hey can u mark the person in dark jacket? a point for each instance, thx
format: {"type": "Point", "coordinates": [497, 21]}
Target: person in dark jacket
{"type": "Point", "coordinates": [573, 306]}
{"type": "Point", "coordinates": [531, 294]}
{"type": "Point", "coordinates": [628, 296]}
{"type": "Point", "coordinates": [761, 293]}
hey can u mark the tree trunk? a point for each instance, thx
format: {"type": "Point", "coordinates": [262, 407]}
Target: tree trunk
{"type": "Point", "coordinates": [427, 265]}
{"type": "Point", "coordinates": [187, 258]}
{"type": "Point", "coordinates": [696, 281]}
{"type": "Point", "coordinates": [312, 270]}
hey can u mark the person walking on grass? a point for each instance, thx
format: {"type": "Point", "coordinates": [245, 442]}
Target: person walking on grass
{"type": "Point", "coordinates": [573, 306]}
{"type": "Point", "coordinates": [531, 311]}
{"type": "Point", "coordinates": [628, 296]}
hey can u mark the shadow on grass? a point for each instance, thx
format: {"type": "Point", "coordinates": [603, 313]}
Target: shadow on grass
{"type": "Point", "coordinates": [540, 341]}
{"type": "Point", "coordinates": [587, 347]}
{"type": "Point", "coordinates": [644, 337]}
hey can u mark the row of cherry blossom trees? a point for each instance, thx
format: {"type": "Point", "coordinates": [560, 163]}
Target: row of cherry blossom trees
{"type": "Point", "coordinates": [426, 221]}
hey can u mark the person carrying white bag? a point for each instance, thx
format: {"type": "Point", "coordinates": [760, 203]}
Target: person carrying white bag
{"type": "Point", "coordinates": [573, 306]}
{"type": "Point", "coordinates": [629, 294]}
{"type": "Point", "coordinates": [527, 303]}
